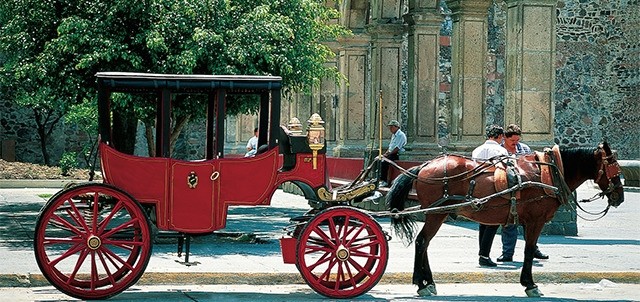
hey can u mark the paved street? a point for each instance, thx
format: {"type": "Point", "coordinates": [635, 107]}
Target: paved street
{"type": "Point", "coordinates": [492, 292]}
{"type": "Point", "coordinates": [601, 263]}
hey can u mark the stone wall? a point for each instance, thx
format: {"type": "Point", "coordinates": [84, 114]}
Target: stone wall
{"type": "Point", "coordinates": [19, 131]}
{"type": "Point", "coordinates": [598, 74]}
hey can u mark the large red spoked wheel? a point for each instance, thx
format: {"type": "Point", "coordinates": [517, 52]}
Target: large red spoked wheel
{"type": "Point", "coordinates": [92, 241]}
{"type": "Point", "coordinates": [342, 252]}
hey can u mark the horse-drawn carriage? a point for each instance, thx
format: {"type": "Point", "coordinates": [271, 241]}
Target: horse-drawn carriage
{"type": "Point", "coordinates": [94, 240]}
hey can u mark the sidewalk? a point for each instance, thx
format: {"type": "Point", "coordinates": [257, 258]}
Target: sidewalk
{"type": "Point", "coordinates": [608, 248]}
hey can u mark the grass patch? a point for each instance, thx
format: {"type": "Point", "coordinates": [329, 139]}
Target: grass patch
{"type": "Point", "coordinates": [45, 196]}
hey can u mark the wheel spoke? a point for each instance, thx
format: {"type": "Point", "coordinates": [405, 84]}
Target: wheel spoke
{"type": "Point", "coordinates": [326, 257]}
{"type": "Point", "coordinates": [124, 225]}
{"type": "Point", "coordinates": [66, 225]}
{"type": "Point", "coordinates": [327, 273]}
{"type": "Point", "coordinates": [106, 267]}
{"type": "Point", "coordinates": [124, 244]}
{"type": "Point", "coordinates": [324, 237]}
{"type": "Point", "coordinates": [359, 267]}
{"type": "Point", "coordinates": [351, 280]}
{"type": "Point", "coordinates": [94, 271]}
{"type": "Point", "coordinates": [77, 216]}
{"type": "Point", "coordinates": [79, 262]}
{"type": "Point", "coordinates": [72, 251]}
{"type": "Point", "coordinates": [355, 236]}
{"type": "Point", "coordinates": [105, 222]}
{"type": "Point", "coordinates": [94, 221]}
{"type": "Point", "coordinates": [116, 257]}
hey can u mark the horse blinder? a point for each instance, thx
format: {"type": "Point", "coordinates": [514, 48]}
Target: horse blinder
{"type": "Point", "coordinates": [611, 169]}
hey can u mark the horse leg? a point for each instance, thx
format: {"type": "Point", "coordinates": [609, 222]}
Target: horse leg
{"type": "Point", "coordinates": [422, 276]}
{"type": "Point", "coordinates": [532, 232]}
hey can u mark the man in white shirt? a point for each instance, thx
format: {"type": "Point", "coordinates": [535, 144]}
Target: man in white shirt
{"type": "Point", "coordinates": [490, 149]}
{"type": "Point", "coordinates": [252, 145]}
{"type": "Point", "coordinates": [396, 146]}
{"type": "Point", "coordinates": [510, 232]}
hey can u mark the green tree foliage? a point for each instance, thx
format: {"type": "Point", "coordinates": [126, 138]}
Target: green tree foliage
{"type": "Point", "coordinates": [53, 48]}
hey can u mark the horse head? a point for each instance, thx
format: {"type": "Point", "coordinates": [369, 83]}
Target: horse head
{"type": "Point", "coordinates": [608, 174]}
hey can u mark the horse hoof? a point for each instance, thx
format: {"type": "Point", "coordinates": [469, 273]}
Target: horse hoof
{"type": "Point", "coordinates": [428, 291]}
{"type": "Point", "coordinates": [533, 292]}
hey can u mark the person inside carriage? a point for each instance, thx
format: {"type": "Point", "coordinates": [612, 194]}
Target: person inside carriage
{"type": "Point", "coordinates": [510, 232]}
{"type": "Point", "coordinates": [491, 148]}
{"type": "Point", "coordinates": [252, 144]}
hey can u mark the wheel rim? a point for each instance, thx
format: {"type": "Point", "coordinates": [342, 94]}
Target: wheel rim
{"type": "Point", "coordinates": [92, 241]}
{"type": "Point", "coordinates": [342, 253]}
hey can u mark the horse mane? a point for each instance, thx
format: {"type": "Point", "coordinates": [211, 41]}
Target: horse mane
{"type": "Point", "coordinates": [578, 161]}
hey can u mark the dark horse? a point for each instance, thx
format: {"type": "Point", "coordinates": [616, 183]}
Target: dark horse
{"type": "Point", "coordinates": [457, 184]}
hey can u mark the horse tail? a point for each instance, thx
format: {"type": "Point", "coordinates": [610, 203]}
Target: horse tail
{"type": "Point", "coordinates": [403, 225]}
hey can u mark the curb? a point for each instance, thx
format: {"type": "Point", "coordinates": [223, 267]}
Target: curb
{"type": "Point", "coordinates": [39, 183]}
{"type": "Point", "coordinates": [35, 183]}
{"type": "Point", "coordinates": [152, 278]}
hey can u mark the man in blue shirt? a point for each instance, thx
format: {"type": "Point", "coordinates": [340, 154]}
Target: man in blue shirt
{"type": "Point", "coordinates": [510, 232]}
{"type": "Point", "coordinates": [396, 146]}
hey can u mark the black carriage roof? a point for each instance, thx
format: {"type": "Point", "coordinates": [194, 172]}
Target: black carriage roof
{"type": "Point", "coordinates": [131, 81]}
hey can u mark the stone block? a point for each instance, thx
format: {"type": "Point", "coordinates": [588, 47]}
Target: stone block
{"type": "Point", "coordinates": [631, 172]}
{"type": "Point", "coordinates": [553, 229]}
{"type": "Point", "coordinates": [570, 229]}
{"type": "Point", "coordinates": [537, 70]}
{"type": "Point", "coordinates": [537, 27]}
{"type": "Point", "coordinates": [9, 150]}
{"type": "Point", "coordinates": [536, 111]}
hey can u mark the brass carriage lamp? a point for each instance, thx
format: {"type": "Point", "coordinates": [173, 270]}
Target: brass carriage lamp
{"type": "Point", "coordinates": [315, 136]}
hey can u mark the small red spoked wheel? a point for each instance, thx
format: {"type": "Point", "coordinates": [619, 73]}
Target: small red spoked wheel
{"type": "Point", "coordinates": [342, 252]}
{"type": "Point", "coordinates": [92, 241]}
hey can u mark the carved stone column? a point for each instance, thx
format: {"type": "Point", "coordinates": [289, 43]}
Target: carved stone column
{"type": "Point", "coordinates": [530, 71]}
{"type": "Point", "coordinates": [386, 29]}
{"type": "Point", "coordinates": [353, 99]}
{"type": "Point", "coordinates": [469, 52]}
{"type": "Point", "coordinates": [424, 22]}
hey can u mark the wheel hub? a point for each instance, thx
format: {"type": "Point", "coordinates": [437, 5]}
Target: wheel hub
{"type": "Point", "coordinates": [342, 253]}
{"type": "Point", "coordinates": [94, 242]}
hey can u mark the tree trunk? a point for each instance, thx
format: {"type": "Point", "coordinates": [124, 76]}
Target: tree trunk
{"type": "Point", "coordinates": [175, 133]}
{"type": "Point", "coordinates": [44, 131]}
{"type": "Point", "coordinates": [177, 128]}
{"type": "Point", "coordinates": [125, 124]}
{"type": "Point", "coordinates": [151, 144]}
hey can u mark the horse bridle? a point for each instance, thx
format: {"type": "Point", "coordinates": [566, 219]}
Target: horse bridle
{"type": "Point", "coordinates": [609, 168]}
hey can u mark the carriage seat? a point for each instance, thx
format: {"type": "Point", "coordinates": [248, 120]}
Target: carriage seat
{"type": "Point", "coordinates": [551, 159]}
{"type": "Point", "coordinates": [505, 176]}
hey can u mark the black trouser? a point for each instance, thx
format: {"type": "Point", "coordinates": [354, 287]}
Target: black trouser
{"type": "Point", "coordinates": [487, 233]}
{"type": "Point", "coordinates": [384, 166]}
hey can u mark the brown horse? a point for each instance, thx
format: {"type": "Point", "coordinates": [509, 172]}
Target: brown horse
{"type": "Point", "coordinates": [460, 185]}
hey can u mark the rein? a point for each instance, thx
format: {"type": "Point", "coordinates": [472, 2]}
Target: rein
{"type": "Point", "coordinates": [474, 172]}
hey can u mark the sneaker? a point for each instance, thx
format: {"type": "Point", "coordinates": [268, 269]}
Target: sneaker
{"type": "Point", "coordinates": [539, 255]}
{"type": "Point", "coordinates": [486, 261]}
{"type": "Point", "coordinates": [504, 258]}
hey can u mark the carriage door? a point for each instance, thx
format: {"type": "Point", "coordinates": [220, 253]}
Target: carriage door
{"type": "Point", "coordinates": [194, 187]}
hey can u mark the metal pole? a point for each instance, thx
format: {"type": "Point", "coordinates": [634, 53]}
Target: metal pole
{"type": "Point", "coordinates": [380, 125]}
